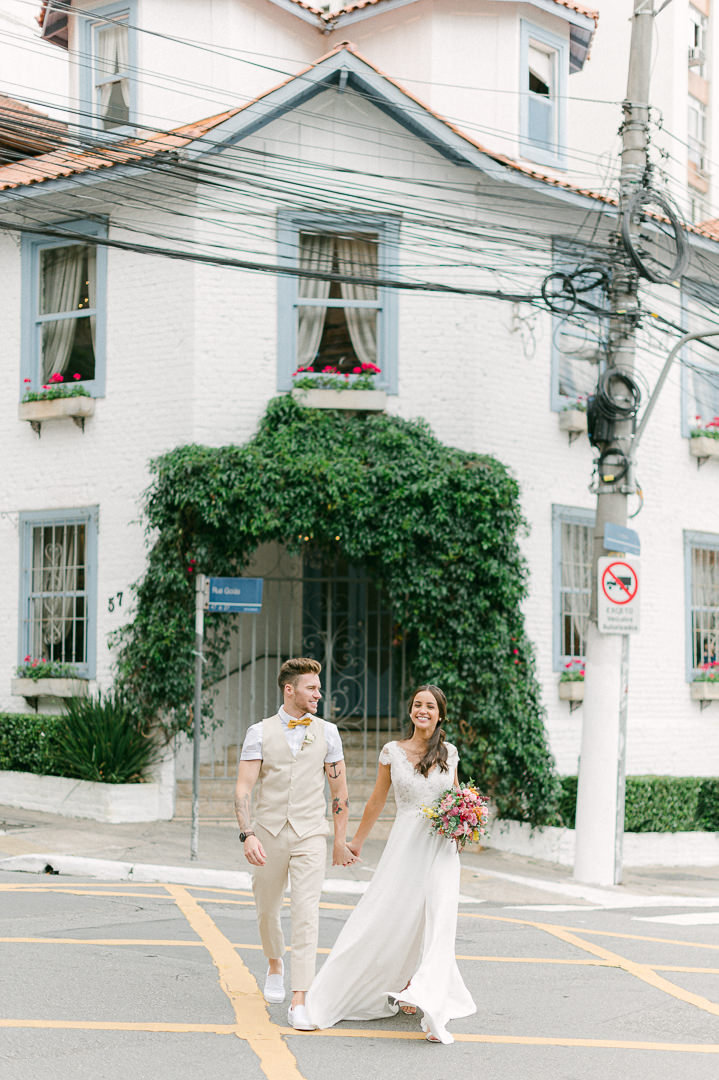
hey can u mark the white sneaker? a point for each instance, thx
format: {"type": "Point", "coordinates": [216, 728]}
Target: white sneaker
{"type": "Point", "coordinates": [298, 1017]}
{"type": "Point", "coordinates": [274, 991]}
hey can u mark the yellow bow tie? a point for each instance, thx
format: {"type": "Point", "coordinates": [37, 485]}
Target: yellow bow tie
{"type": "Point", "coordinates": [305, 721]}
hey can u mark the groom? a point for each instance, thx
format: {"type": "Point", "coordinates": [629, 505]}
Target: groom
{"type": "Point", "coordinates": [288, 756]}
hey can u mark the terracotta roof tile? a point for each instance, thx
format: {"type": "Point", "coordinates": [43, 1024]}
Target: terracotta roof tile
{"type": "Point", "coordinates": [357, 5]}
{"type": "Point", "coordinates": [24, 130]}
{"type": "Point", "coordinates": [64, 162]}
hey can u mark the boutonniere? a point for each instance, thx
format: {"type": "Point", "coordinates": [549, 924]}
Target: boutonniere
{"type": "Point", "coordinates": [309, 738]}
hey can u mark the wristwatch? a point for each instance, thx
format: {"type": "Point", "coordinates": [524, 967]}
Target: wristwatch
{"type": "Point", "coordinates": [244, 835]}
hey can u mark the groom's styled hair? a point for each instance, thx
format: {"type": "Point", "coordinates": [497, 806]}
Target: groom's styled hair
{"type": "Point", "coordinates": [294, 667]}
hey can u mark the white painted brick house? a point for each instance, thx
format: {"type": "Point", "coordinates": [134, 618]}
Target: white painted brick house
{"type": "Point", "coordinates": [438, 141]}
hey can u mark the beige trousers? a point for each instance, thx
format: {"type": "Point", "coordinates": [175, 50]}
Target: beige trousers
{"type": "Point", "coordinates": [304, 860]}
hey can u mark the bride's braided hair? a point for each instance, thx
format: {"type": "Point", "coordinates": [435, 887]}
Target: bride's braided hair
{"type": "Point", "coordinates": [436, 753]}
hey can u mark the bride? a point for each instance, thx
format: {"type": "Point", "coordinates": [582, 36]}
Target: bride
{"type": "Point", "coordinates": [396, 950]}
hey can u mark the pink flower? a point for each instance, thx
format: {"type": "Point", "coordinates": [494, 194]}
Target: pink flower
{"type": "Point", "coordinates": [356, 370]}
{"type": "Point", "coordinates": [27, 380]}
{"type": "Point", "coordinates": [77, 375]}
{"type": "Point", "coordinates": [56, 378]}
{"type": "Point", "coordinates": [28, 658]}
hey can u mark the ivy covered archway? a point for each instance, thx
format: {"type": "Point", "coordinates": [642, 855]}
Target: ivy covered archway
{"type": "Point", "coordinates": [436, 528]}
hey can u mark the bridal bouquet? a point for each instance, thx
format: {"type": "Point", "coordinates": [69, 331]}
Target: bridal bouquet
{"type": "Point", "coordinates": [459, 815]}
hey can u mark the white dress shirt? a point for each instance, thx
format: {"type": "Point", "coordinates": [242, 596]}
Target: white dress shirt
{"type": "Point", "coordinates": [252, 746]}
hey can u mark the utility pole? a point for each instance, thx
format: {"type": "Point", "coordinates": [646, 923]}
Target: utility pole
{"type": "Point", "coordinates": [600, 796]}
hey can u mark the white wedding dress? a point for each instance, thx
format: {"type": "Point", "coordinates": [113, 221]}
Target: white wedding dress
{"type": "Point", "coordinates": [403, 929]}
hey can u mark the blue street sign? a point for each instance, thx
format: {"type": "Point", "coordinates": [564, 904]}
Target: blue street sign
{"type": "Point", "coordinates": [235, 594]}
{"type": "Point", "coordinates": [619, 538]}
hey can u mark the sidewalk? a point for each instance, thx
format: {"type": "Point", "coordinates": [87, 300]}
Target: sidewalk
{"type": "Point", "coordinates": [31, 840]}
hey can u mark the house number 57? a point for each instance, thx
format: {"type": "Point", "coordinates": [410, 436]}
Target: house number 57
{"type": "Point", "coordinates": [114, 601]}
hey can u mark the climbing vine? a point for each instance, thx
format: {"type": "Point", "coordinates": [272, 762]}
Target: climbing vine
{"type": "Point", "coordinates": [434, 526]}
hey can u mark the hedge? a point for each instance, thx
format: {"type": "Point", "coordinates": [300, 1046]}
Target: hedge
{"type": "Point", "coordinates": [30, 743]}
{"type": "Point", "coordinates": [657, 803]}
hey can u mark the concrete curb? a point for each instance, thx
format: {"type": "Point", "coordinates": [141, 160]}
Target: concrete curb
{"type": "Point", "coordinates": [107, 870]}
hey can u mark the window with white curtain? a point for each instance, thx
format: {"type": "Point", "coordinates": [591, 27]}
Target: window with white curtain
{"type": "Point", "coordinates": [337, 320]}
{"type": "Point", "coordinates": [702, 586]}
{"type": "Point", "coordinates": [112, 76]}
{"type": "Point", "coordinates": [58, 575]}
{"type": "Point", "coordinates": [330, 322]}
{"type": "Point", "coordinates": [107, 48]}
{"type": "Point", "coordinates": [572, 580]}
{"type": "Point", "coordinates": [64, 309]}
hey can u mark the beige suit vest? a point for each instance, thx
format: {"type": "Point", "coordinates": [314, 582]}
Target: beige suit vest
{"type": "Point", "coordinates": [292, 789]}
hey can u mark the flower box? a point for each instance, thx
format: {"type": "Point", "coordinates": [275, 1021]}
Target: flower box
{"type": "Point", "coordinates": [356, 400]}
{"type": "Point", "coordinates": [75, 408]}
{"type": "Point", "coordinates": [111, 803]}
{"type": "Point", "coordinates": [704, 690]}
{"type": "Point", "coordinates": [702, 446]}
{"type": "Point", "coordinates": [573, 420]}
{"type": "Point", "coordinates": [57, 688]}
{"type": "Point", "coordinates": [572, 691]}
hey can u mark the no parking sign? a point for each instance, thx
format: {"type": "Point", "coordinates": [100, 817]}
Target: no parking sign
{"type": "Point", "coordinates": [618, 595]}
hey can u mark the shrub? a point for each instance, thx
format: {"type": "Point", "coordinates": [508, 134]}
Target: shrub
{"type": "Point", "coordinates": [656, 803]}
{"type": "Point", "coordinates": [30, 743]}
{"type": "Point", "coordinates": [103, 740]}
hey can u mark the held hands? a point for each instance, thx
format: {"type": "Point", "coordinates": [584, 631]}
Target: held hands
{"type": "Point", "coordinates": [254, 851]}
{"type": "Point", "coordinates": [343, 855]}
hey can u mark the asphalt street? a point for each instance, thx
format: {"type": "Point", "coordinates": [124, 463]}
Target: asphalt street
{"type": "Point", "coordinates": [114, 977]}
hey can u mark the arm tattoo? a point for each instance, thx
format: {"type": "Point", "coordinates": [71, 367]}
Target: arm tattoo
{"type": "Point", "coordinates": [242, 809]}
{"type": "Point", "coordinates": [334, 769]}
{"type": "Point", "coordinates": [339, 806]}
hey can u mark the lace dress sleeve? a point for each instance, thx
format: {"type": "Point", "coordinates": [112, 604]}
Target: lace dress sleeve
{"type": "Point", "coordinates": [452, 757]}
{"type": "Point", "coordinates": [385, 754]}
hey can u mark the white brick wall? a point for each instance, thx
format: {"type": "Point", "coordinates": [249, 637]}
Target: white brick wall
{"type": "Point", "coordinates": [192, 357]}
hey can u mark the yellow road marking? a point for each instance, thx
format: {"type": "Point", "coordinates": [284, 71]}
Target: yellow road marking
{"type": "Point", "coordinates": [253, 1021]}
{"type": "Point", "coordinates": [357, 1033]}
{"type": "Point", "coordinates": [640, 971]}
{"type": "Point", "coordinates": [122, 1025]}
{"type": "Point", "coordinates": [244, 945]}
{"type": "Point", "coordinates": [584, 931]}
{"type": "Point", "coordinates": [107, 941]}
{"type": "Point", "coordinates": [510, 1040]}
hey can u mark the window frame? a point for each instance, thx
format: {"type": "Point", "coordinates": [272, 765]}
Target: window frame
{"type": "Point", "coordinates": [90, 23]}
{"type": "Point", "coordinates": [692, 541]}
{"type": "Point", "coordinates": [563, 515]}
{"type": "Point", "coordinates": [29, 520]}
{"type": "Point", "coordinates": [698, 145]}
{"type": "Point", "coordinates": [710, 295]}
{"type": "Point", "coordinates": [289, 225]}
{"type": "Point", "coordinates": [569, 256]}
{"type": "Point", "coordinates": [699, 28]}
{"type": "Point", "coordinates": [556, 155]}
{"type": "Point", "coordinates": [31, 340]}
